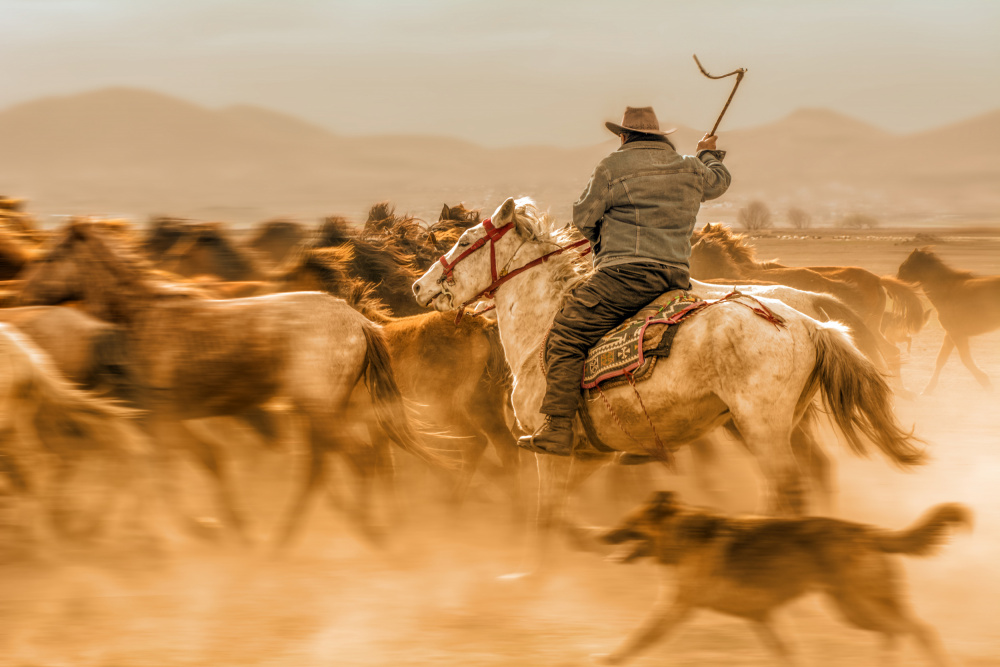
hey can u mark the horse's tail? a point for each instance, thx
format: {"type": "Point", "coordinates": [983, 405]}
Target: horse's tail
{"type": "Point", "coordinates": [858, 397]}
{"type": "Point", "coordinates": [865, 339]}
{"type": "Point", "coordinates": [906, 305]}
{"type": "Point", "coordinates": [387, 400]}
{"type": "Point", "coordinates": [73, 413]}
{"type": "Point", "coordinates": [929, 533]}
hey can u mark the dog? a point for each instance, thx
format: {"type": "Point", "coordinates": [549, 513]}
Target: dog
{"type": "Point", "coordinates": [749, 567]}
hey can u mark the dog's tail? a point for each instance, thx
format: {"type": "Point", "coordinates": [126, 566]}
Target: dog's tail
{"type": "Point", "coordinates": [928, 533]}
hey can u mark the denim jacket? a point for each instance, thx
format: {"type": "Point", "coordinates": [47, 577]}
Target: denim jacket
{"type": "Point", "coordinates": [642, 201]}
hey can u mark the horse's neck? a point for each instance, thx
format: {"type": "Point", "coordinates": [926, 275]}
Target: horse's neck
{"type": "Point", "coordinates": [119, 292]}
{"type": "Point", "coordinates": [525, 308]}
{"type": "Point", "coordinates": [938, 277]}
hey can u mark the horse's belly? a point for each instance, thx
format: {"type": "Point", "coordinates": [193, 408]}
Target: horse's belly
{"type": "Point", "coordinates": [629, 425]}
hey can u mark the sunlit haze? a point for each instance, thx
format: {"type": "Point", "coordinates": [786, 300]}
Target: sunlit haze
{"type": "Point", "coordinates": [510, 73]}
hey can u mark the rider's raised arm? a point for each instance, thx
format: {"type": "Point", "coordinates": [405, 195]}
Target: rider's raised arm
{"type": "Point", "coordinates": [589, 209]}
{"type": "Point", "coordinates": [715, 177]}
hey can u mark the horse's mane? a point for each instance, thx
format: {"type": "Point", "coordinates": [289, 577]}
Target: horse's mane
{"type": "Point", "coordinates": [930, 258]}
{"type": "Point", "coordinates": [382, 219]}
{"type": "Point", "coordinates": [540, 226]}
{"type": "Point", "coordinates": [327, 264]}
{"type": "Point", "coordinates": [737, 246]}
{"type": "Point", "coordinates": [361, 297]}
{"type": "Point", "coordinates": [335, 230]}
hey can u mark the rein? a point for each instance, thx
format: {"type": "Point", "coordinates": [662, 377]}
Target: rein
{"type": "Point", "coordinates": [494, 234]}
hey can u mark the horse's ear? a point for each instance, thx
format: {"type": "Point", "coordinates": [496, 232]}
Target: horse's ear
{"type": "Point", "coordinates": [432, 239]}
{"type": "Point", "coordinates": [445, 213]}
{"type": "Point", "coordinates": [505, 213]}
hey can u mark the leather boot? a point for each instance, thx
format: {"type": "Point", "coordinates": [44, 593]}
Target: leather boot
{"type": "Point", "coordinates": [554, 437]}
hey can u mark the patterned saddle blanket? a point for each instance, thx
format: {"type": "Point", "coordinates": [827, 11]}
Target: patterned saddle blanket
{"type": "Point", "coordinates": [632, 348]}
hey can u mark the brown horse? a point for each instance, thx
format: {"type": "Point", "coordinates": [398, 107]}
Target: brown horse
{"type": "Point", "coordinates": [456, 372]}
{"type": "Point", "coordinates": [967, 305]}
{"type": "Point", "coordinates": [194, 358]}
{"type": "Point", "coordinates": [205, 249]}
{"type": "Point", "coordinates": [274, 240]}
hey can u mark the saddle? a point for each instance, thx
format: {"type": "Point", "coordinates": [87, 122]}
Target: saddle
{"type": "Point", "coordinates": [630, 350]}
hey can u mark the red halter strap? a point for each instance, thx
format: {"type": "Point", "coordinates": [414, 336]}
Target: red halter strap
{"type": "Point", "coordinates": [493, 234]}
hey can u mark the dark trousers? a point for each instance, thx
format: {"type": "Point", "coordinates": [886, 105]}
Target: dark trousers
{"type": "Point", "coordinates": [595, 307]}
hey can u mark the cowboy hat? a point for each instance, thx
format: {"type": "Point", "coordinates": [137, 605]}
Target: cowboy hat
{"type": "Point", "coordinates": [639, 119]}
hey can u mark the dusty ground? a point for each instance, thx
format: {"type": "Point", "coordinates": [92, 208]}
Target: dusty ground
{"type": "Point", "coordinates": [434, 598]}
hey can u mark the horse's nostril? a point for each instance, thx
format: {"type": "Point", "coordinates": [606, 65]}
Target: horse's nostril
{"type": "Point", "coordinates": [416, 288]}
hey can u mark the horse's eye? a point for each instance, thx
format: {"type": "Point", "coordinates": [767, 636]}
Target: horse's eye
{"type": "Point", "coordinates": [462, 244]}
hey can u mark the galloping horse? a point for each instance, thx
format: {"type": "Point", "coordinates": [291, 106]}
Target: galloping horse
{"type": "Point", "coordinates": [726, 363]}
{"type": "Point", "coordinates": [967, 305]}
{"type": "Point", "coordinates": [720, 253]}
{"type": "Point", "coordinates": [192, 358]}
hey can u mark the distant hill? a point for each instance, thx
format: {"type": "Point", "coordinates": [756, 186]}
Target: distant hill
{"type": "Point", "coordinates": [135, 152]}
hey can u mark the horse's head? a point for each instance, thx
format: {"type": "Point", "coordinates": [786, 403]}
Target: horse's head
{"type": "Point", "coordinates": [163, 234]}
{"type": "Point", "coordinates": [709, 260]}
{"type": "Point", "coordinates": [914, 268]}
{"type": "Point", "coordinates": [59, 275]}
{"type": "Point", "coordinates": [481, 255]}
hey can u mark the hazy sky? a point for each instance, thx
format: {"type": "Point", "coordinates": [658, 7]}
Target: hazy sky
{"type": "Point", "coordinates": [511, 72]}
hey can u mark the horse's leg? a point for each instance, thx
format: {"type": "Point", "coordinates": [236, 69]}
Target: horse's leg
{"type": "Point", "coordinates": [553, 478]}
{"type": "Point", "coordinates": [704, 457]}
{"type": "Point", "coordinates": [962, 345]}
{"type": "Point", "coordinates": [769, 438]}
{"type": "Point", "coordinates": [580, 537]}
{"type": "Point", "coordinates": [510, 461]}
{"type": "Point", "coordinates": [171, 436]}
{"type": "Point", "coordinates": [385, 471]}
{"type": "Point", "coordinates": [322, 430]}
{"type": "Point", "coordinates": [947, 345]}
{"type": "Point", "coordinates": [811, 457]}
{"type": "Point", "coordinates": [208, 456]}
{"type": "Point", "coordinates": [363, 461]}
{"type": "Point", "coordinates": [473, 443]}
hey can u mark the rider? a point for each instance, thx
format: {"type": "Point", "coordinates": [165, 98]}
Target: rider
{"type": "Point", "coordinates": [638, 212]}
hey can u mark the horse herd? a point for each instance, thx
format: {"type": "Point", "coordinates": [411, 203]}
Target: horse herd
{"type": "Point", "coordinates": [118, 340]}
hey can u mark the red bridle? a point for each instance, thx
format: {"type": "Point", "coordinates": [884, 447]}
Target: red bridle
{"type": "Point", "coordinates": [494, 234]}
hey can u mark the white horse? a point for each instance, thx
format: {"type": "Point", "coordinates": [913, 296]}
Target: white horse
{"type": "Point", "coordinates": [725, 363]}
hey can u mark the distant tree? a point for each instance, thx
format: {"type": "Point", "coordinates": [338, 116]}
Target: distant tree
{"type": "Point", "coordinates": [755, 216]}
{"type": "Point", "coordinates": [859, 221]}
{"type": "Point", "coordinates": [799, 219]}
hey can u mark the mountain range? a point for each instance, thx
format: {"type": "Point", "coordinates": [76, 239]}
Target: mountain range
{"type": "Point", "coordinates": [131, 152]}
